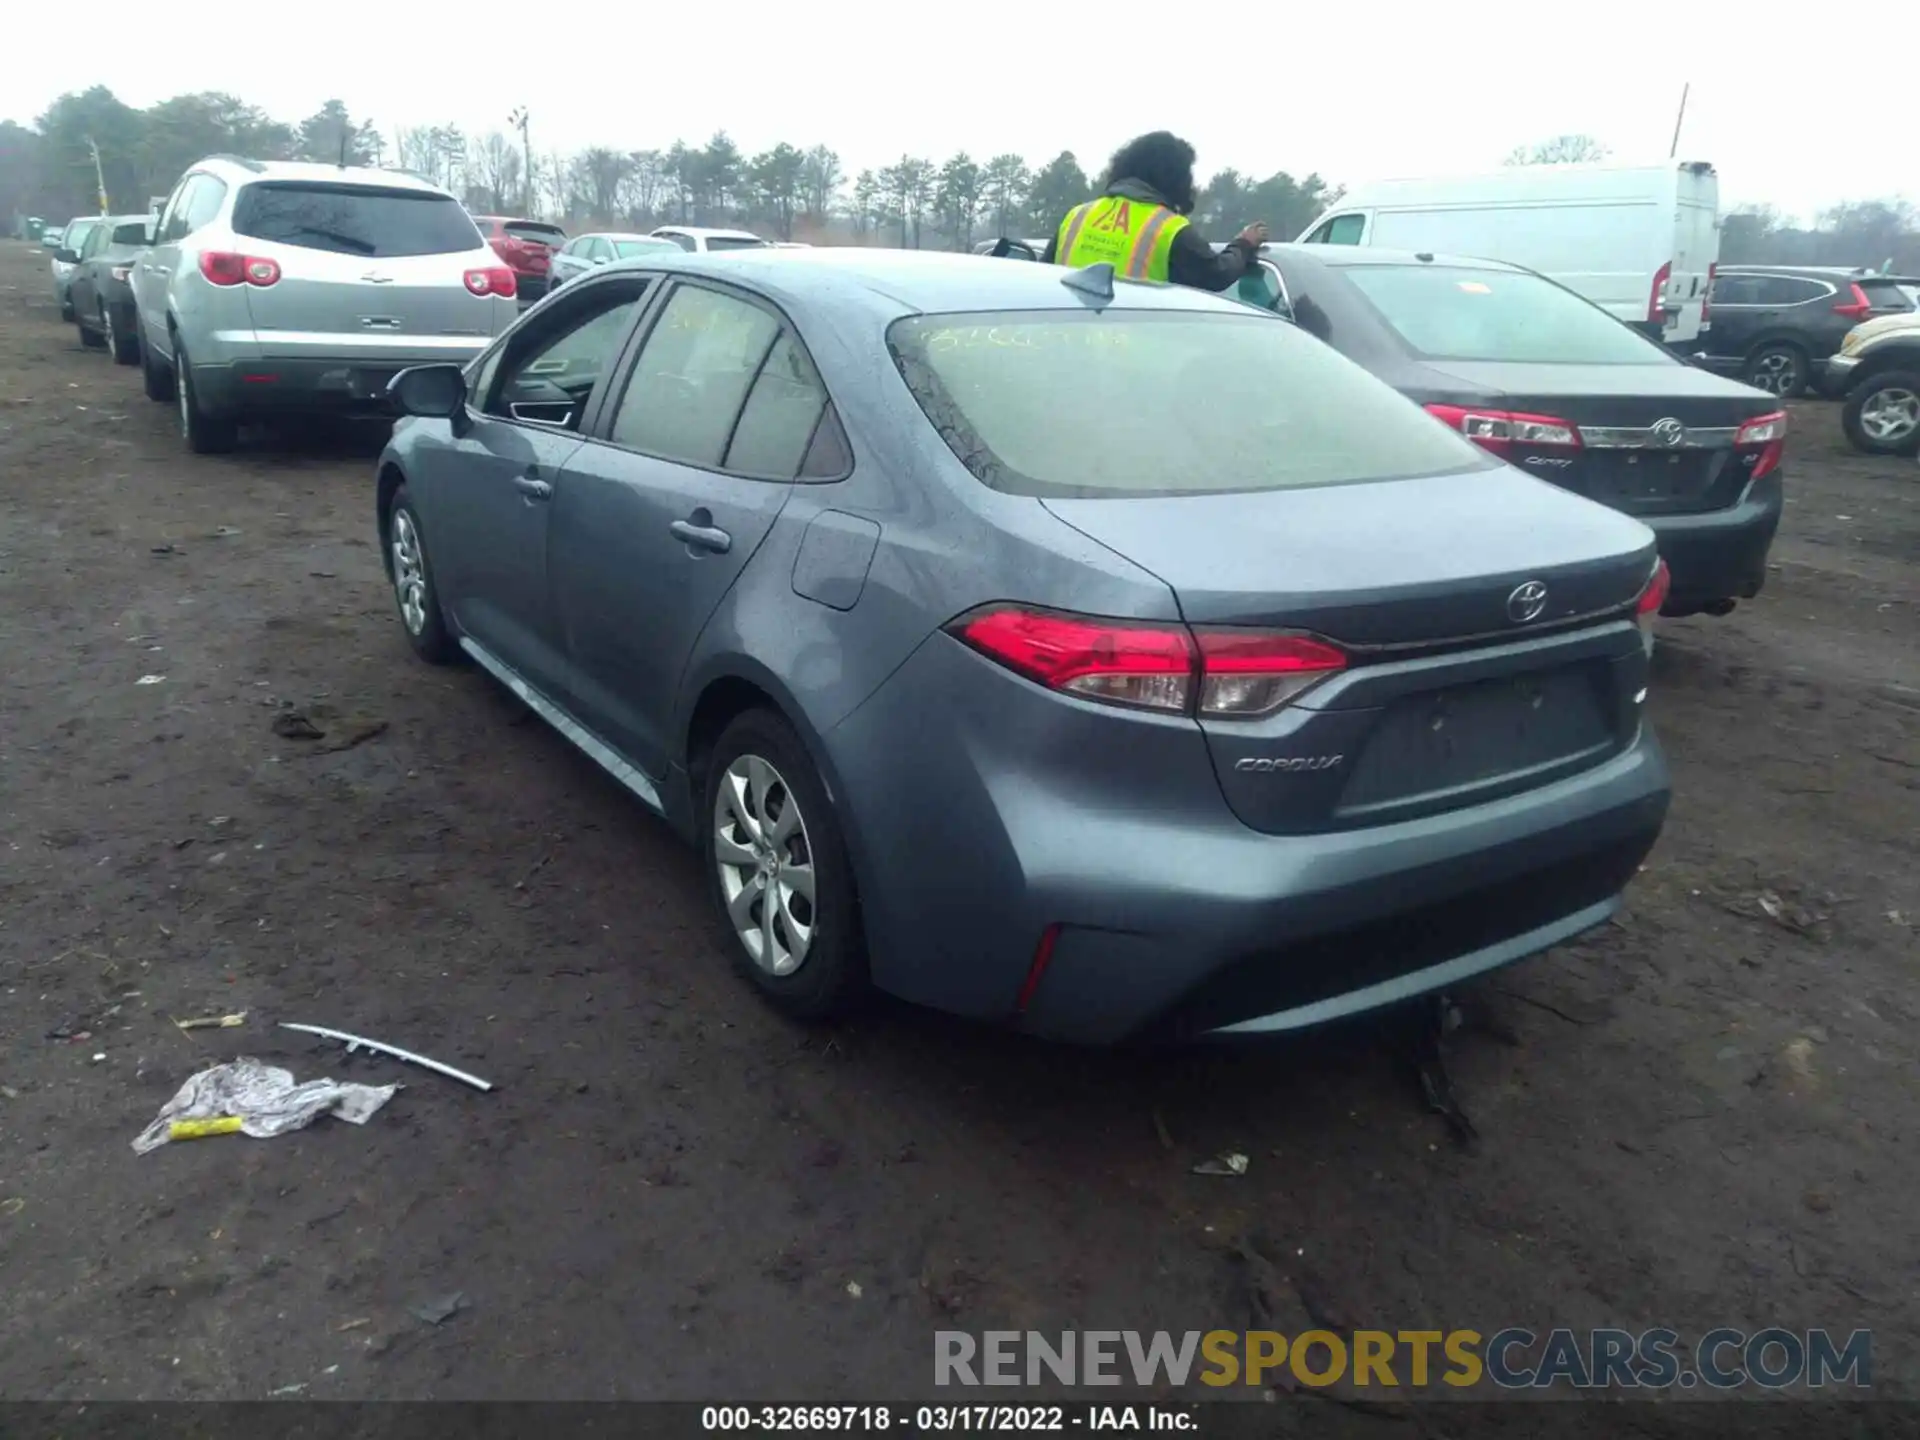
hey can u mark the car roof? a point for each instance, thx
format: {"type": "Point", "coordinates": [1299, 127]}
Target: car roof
{"type": "Point", "coordinates": [890, 283]}
{"type": "Point", "coordinates": [1820, 272]}
{"type": "Point", "coordinates": [247, 171]}
{"type": "Point", "coordinates": [698, 230]}
{"type": "Point", "coordinates": [1355, 256]}
{"type": "Point", "coordinates": [624, 235]}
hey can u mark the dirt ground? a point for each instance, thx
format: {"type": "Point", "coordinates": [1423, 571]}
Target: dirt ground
{"type": "Point", "coordinates": [1704, 1116]}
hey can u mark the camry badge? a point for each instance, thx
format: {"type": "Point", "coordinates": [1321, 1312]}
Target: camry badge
{"type": "Point", "coordinates": [1527, 602]}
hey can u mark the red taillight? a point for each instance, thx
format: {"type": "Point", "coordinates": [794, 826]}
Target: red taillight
{"type": "Point", "coordinates": [1497, 430]}
{"type": "Point", "coordinates": [1168, 668]}
{"type": "Point", "coordinates": [492, 280]}
{"type": "Point", "coordinates": [1655, 595]}
{"type": "Point", "coordinates": [1859, 309]}
{"type": "Point", "coordinates": [1769, 434]}
{"type": "Point", "coordinates": [1706, 298]}
{"type": "Point", "coordinates": [1656, 309]}
{"type": "Point", "coordinates": [224, 267]}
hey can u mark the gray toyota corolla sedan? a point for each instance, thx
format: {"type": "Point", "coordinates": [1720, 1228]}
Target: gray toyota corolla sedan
{"type": "Point", "coordinates": [1106, 659]}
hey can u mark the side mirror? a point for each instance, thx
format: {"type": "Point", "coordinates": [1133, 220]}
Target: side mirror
{"type": "Point", "coordinates": [435, 391]}
{"type": "Point", "coordinates": [1005, 249]}
{"type": "Point", "coordinates": [66, 256]}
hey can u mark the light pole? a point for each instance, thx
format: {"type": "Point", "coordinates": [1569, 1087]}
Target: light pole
{"type": "Point", "coordinates": [518, 119]}
{"type": "Point", "coordinates": [99, 174]}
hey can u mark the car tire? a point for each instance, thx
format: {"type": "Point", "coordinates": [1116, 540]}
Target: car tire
{"type": "Point", "coordinates": [1882, 414]}
{"type": "Point", "coordinates": [204, 434]}
{"type": "Point", "coordinates": [89, 339]}
{"type": "Point", "coordinates": [1778, 368]}
{"type": "Point", "coordinates": [759, 782]}
{"type": "Point", "coordinates": [120, 336]}
{"type": "Point", "coordinates": [66, 309]}
{"type": "Point", "coordinates": [415, 597]}
{"type": "Point", "coordinates": [156, 379]}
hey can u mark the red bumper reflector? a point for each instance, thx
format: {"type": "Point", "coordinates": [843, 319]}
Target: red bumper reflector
{"type": "Point", "coordinates": [1042, 957]}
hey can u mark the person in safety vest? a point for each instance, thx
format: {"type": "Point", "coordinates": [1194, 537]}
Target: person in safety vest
{"type": "Point", "coordinates": [1139, 222]}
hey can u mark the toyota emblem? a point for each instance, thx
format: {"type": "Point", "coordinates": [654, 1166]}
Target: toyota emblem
{"type": "Point", "coordinates": [1527, 602]}
{"type": "Point", "coordinates": [1670, 433]}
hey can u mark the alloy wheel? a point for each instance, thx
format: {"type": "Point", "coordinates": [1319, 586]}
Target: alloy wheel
{"type": "Point", "coordinates": [1776, 372]}
{"type": "Point", "coordinates": [1890, 416]}
{"type": "Point", "coordinates": [409, 573]}
{"type": "Point", "coordinates": [765, 861]}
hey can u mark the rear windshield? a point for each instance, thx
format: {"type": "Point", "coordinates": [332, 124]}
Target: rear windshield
{"type": "Point", "coordinates": [539, 234]}
{"type": "Point", "coordinates": [1886, 294]}
{"type": "Point", "coordinates": [1446, 312]}
{"type": "Point", "coordinates": [735, 242]}
{"type": "Point", "coordinates": [354, 220]}
{"type": "Point", "coordinates": [1138, 403]}
{"type": "Point", "coordinates": [626, 248]}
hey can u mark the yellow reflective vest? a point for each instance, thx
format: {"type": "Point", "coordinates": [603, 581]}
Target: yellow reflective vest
{"type": "Point", "coordinates": [1133, 236]}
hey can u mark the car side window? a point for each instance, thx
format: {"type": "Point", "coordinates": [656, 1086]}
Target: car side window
{"type": "Point", "coordinates": [782, 411]}
{"type": "Point", "coordinates": [685, 242]}
{"type": "Point", "coordinates": [96, 242]}
{"type": "Point", "coordinates": [1340, 230]}
{"type": "Point", "coordinates": [1787, 290]}
{"type": "Point", "coordinates": [688, 386]}
{"type": "Point", "coordinates": [173, 224]}
{"type": "Point", "coordinates": [547, 375]}
{"type": "Point", "coordinates": [205, 202]}
{"type": "Point", "coordinates": [598, 249]}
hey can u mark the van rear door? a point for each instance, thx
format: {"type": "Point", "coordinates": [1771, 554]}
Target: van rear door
{"type": "Point", "coordinates": [1696, 247]}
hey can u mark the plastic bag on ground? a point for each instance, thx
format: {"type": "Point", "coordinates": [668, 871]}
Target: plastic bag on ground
{"type": "Point", "coordinates": [266, 1100]}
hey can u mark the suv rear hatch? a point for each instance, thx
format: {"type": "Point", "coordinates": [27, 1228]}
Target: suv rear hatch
{"type": "Point", "coordinates": [365, 273]}
{"type": "Point", "coordinates": [527, 245]}
{"type": "Point", "coordinates": [1481, 623]}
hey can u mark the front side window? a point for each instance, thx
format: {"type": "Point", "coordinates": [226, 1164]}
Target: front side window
{"type": "Point", "coordinates": [546, 377]}
{"type": "Point", "coordinates": [175, 227]}
{"type": "Point", "coordinates": [1447, 312]}
{"type": "Point", "coordinates": [355, 220]}
{"type": "Point", "coordinates": [703, 356]}
{"type": "Point", "coordinates": [1128, 403]}
{"type": "Point", "coordinates": [1340, 230]}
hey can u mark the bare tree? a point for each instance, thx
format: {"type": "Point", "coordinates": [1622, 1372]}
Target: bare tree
{"type": "Point", "coordinates": [600, 173]}
{"type": "Point", "coordinates": [1560, 150]}
{"type": "Point", "coordinates": [820, 180]}
{"type": "Point", "coordinates": [495, 166]}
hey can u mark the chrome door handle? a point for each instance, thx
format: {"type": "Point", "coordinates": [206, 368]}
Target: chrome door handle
{"type": "Point", "coordinates": [702, 537]}
{"type": "Point", "coordinates": [534, 489]}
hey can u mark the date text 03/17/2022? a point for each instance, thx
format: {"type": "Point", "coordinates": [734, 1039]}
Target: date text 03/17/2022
{"type": "Point", "coordinates": [947, 1419]}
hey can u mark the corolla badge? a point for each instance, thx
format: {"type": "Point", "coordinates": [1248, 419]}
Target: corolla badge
{"type": "Point", "coordinates": [1527, 602]}
{"type": "Point", "coordinates": [1669, 432]}
{"type": "Point", "coordinates": [1287, 764]}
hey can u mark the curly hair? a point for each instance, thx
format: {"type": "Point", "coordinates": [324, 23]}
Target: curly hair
{"type": "Point", "coordinates": [1160, 159]}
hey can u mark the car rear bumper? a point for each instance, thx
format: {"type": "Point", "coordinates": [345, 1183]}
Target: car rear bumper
{"type": "Point", "coordinates": [308, 384]}
{"type": "Point", "coordinates": [1170, 919]}
{"type": "Point", "coordinates": [529, 287]}
{"type": "Point", "coordinates": [1721, 555]}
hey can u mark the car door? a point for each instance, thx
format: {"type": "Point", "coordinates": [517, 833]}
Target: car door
{"type": "Point", "coordinates": [490, 488]}
{"type": "Point", "coordinates": [1735, 313]}
{"type": "Point", "coordinates": [84, 291]}
{"type": "Point", "coordinates": [153, 274]}
{"type": "Point", "coordinates": [659, 514]}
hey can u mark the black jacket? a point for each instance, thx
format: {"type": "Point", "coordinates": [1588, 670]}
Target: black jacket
{"type": "Point", "coordinates": [1192, 261]}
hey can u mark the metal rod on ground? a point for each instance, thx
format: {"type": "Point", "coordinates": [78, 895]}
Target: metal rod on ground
{"type": "Point", "coordinates": [360, 1042]}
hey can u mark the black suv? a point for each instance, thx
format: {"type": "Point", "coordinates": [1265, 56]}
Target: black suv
{"type": "Point", "coordinates": [1774, 326]}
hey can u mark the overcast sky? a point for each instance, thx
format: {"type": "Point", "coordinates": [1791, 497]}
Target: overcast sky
{"type": "Point", "coordinates": [1354, 92]}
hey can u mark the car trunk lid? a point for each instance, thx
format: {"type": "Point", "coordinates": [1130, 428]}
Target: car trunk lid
{"type": "Point", "coordinates": [1486, 619]}
{"type": "Point", "coordinates": [1653, 439]}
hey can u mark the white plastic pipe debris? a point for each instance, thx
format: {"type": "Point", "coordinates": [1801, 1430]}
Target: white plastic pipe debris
{"type": "Point", "coordinates": [360, 1042]}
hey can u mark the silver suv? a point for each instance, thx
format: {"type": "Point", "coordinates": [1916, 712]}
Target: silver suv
{"type": "Point", "coordinates": [274, 286]}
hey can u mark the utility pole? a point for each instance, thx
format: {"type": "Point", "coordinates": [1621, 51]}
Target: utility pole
{"type": "Point", "coordinates": [518, 119]}
{"type": "Point", "coordinates": [1674, 149]}
{"type": "Point", "coordinates": [99, 174]}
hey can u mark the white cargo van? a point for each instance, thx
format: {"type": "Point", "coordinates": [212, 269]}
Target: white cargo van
{"type": "Point", "coordinates": [1640, 241]}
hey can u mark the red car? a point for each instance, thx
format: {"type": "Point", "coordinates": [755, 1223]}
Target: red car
{"type": "Point", "coordinates": [526, 246]}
